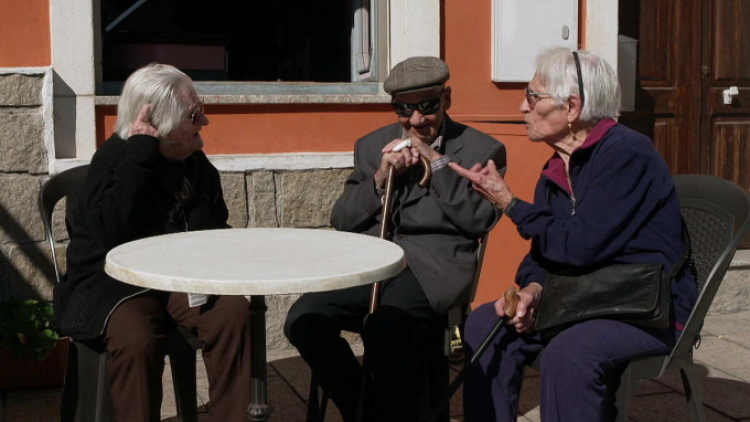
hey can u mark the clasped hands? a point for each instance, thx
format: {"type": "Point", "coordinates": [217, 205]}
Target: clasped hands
{"type": "Point", "coordinates": [403, 159]}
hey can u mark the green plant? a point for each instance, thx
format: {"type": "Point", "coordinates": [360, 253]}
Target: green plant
{"type": "Point", "coordinates": [27, 328]}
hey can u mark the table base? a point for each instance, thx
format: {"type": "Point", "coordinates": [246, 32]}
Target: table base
{"type": "Point", "coordinates": [258, 409]}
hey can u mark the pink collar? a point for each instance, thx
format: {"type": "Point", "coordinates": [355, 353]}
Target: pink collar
{"type": "Point", "coordinates": [555, 168]}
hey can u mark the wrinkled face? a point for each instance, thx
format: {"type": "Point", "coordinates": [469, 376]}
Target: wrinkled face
{"type": "Point", "coordinates": [186, 138]}
{"type": "Point", "coordinates": [423, 126]}
{"type": "Point", "coordinates": [545, 121]}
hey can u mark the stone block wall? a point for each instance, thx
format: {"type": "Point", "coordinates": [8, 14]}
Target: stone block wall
{"type": "Point", "coordinates": [25, 261]}
{"type": "Point", "coordinates": [298, 199]}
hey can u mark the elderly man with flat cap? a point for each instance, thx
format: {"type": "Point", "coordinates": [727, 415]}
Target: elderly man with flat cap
{"type": "Point", "coordinates": [437, 226]}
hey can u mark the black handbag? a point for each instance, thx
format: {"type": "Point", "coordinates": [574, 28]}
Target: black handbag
{"type": "Point", "coordinates": [638, 294]}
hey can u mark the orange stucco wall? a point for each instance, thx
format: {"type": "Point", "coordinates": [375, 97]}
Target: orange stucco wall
{"type": "Point", "coordinates": [24, 33]}
{"type": "Point", "coordinates": [491, 107]}
{"type": "Point", "coordinates": [264, 129]}
{"type": "Point", "coordinates": [467, 43]}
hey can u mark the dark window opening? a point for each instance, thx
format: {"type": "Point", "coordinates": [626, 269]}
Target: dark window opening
{"type": "Point", "coordinates": [228, 40]}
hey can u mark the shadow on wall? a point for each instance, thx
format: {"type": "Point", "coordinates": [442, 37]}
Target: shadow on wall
{"type": "Point", "coordinates": [26, 268]}
{"type": "Point", "coordinates": [65, 115]}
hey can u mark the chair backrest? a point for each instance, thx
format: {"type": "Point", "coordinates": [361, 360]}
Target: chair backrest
{"type": "Point", "coordinates": [717, 215]}
{"type": "Point", "coordinates": [66, 184]}
{"type": "Point", "coordinates": [478, 273]}
{"type": "Point", "coordinates": [458, 314]}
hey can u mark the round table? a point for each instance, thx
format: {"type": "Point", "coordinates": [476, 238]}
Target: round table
{"type": "Point", "coordinates": [255, 262]}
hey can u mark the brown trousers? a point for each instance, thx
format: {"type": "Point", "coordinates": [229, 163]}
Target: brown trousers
{"type": "Point", "coordinates": [135, 339]}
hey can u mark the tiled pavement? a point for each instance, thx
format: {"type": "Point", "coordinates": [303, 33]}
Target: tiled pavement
{"type": "Point", "coordinates": [723, 365]}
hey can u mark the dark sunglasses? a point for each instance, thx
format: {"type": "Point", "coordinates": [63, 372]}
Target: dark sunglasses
{"type": "Point", "coordinates": [426, 107]}
{"type": "Point", "coordinates": [196, 114]}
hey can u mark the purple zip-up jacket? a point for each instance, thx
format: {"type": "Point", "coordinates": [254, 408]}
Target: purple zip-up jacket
{"type": "Point", "coordinates": [623, 208]}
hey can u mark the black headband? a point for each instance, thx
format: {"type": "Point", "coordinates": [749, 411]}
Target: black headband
{"type": "Point", "coordinates": [580, 78]}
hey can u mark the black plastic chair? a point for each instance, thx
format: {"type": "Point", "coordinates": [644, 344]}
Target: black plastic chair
{"type": "Point", "coordinates": [317, 401]}
{"type": "Point", "coordinates": [86, 385]}
{"type": "Point", "coordinates": [717, 215]}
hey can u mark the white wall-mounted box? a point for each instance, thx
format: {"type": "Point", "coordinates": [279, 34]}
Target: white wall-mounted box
{"type": "Point", "coordinates": [521, 29]}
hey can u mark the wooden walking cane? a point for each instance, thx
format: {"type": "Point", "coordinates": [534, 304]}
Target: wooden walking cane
{"type": "Point", "coordinates": [386, 216]}
{"type": "Point", "coordinates": [375, 290]}
{"type": "Point", "coordinates": [511, 301]}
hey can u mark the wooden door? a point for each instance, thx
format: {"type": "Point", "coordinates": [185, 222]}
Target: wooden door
{"type": "Point", "coordinates": [668, 95]}
{"type": "Point", "coordinates": [725, 128]}
{"type": "Point", "coordinates": [689, 52]}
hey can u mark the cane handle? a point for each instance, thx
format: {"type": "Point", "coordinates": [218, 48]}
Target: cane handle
{"type": "Point", "coordinates": [406, 143]}
{"type": "Point", "coordinates": [427, 171]}
{"type": "Point", "coordinates": [511, 301]}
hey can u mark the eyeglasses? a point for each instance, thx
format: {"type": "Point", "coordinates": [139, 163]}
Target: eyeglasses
{"type": "Point", "coordinates": [534, 97]}
{"type": "Point", "coordinates": [580, 78]}
{"type": "Point", "coordinates": [196, 114]}
{"type": "Point", "coordinates": [426, 107]}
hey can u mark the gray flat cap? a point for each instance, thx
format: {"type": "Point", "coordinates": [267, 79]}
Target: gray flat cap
{"type": "Point", "coordinates": [416, 73]}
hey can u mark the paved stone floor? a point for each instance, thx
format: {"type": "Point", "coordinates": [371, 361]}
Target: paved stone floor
{"type": "Point", "coordinates": [723, 364]}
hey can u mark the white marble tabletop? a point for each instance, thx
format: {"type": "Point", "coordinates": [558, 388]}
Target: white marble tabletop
{"type": "Point", "coordinates": [258, 261]}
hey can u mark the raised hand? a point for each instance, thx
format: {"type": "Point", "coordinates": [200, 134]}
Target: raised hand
{"type": "Point", "coordinates": [142, 124]}
{"type": "Point", "coordinates": [487, 181]}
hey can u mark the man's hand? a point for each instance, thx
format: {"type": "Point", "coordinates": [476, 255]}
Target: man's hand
{"type": "Point", "coordinates": [142, 124]}
{"type": "Point", "coordinates": [415, 143]}
{"type": "Point", "coordinates": [528, 301]}
{"type": "Point", "coordinates": [487, 181]}
{"type": "Point", "coordinates": [403, 159]}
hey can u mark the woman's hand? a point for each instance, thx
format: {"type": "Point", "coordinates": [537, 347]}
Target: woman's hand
{"type": "Point", "coordinates": [142, 124]}
{"type": "Point", "coordinates": [487, 181]}
{"type": "Point", "coordinates": [528, 302]}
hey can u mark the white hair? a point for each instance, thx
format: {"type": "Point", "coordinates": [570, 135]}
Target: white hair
{"type": "Point", "coordinates": [556, 70]}
{"type": "Point", "coordinates": [161, 85]}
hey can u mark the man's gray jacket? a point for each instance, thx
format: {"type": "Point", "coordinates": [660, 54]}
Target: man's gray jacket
{"type": "Point", "coordinates": [438, 226]}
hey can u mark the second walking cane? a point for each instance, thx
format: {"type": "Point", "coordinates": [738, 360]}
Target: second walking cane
{"type": "Point", "coordinates": [511, 301]}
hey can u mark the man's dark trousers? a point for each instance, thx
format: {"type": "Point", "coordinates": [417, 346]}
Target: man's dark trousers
{"type": "Point", "coordinates": [404, 344]}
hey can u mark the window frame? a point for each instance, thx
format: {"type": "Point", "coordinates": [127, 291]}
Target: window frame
{"type": "Point", "coordinates": [367, 83]}
{"type": "Point", "coordinates": [408, 29]}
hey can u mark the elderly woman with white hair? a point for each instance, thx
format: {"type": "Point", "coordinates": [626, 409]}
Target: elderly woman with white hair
{"type": "Point", "coordinates": [151, 178]}
{"type": "Point", "coordinates": [605, 197]}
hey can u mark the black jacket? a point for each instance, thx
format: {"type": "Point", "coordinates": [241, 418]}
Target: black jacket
{"type": "Point", "coordinates": [131, 192]}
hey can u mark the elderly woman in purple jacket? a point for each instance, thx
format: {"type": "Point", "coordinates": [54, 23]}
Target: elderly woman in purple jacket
{"type": "Point", "coordinates": [605, 196]}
